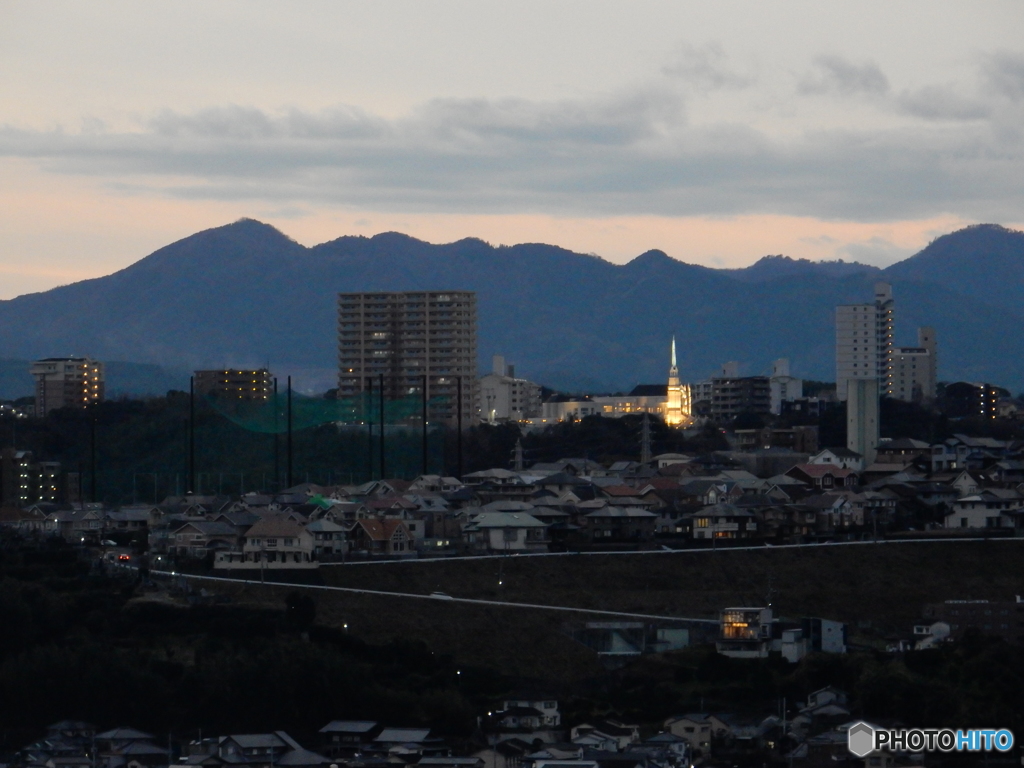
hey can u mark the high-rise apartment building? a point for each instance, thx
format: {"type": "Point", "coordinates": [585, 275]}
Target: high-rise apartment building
{"type": "Point", "coordinates": [235, 384]}
{"type": "Point", "coordinates": [67, 382]}
{"type": "Point", "coordinates": [912, 369]}
{"type": "Point", "coordinates": [404, 337]}
{"type": "Point", "coordinates": [864, 341]}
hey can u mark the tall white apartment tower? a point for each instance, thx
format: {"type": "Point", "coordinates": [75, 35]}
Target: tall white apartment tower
{"type": "Point", "coordinates": [864, 341]}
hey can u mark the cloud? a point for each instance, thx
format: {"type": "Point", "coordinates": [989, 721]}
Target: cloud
{"type": "Point", "coordinates": [876, 251]}
{"type": "Point", "coordinates": [1004, 73]}
{"type": "Point", "coordinates": [836, 75]}
{"type": "Point", "coordinates": [705, 69]}
{"type": "Point", "coordinates": [633, 152]}
{"type": "Point", "coordinates": [941, 103]}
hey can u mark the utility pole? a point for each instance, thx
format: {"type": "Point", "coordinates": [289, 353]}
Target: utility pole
{"type": "Point", "coordinates": [369, 428]}
{"type": "Point", "coordinates": [424, 424]}
{"type": "Point", "coordinates": [459, 427]}
{"type": "Point", "coordinates": [92, 457]}
{"type": "Point", "coordinates": [277, 460]}
{"type": "Point", "coordinates": [519, 455]}
{"type": "Point", "coordinates": [645, 439]}
{"type": "Point", "coordinates": [191, 434]}
{"type": "Point", "coordinates": [383, 474]}
{"type": "Point", "coordinates": [289, 431]}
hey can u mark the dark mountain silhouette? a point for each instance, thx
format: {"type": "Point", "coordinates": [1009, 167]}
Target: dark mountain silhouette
{"type": "Point", "coordinates": [245, 294]}
{"type": "Point", "coordinates": [774, 267]}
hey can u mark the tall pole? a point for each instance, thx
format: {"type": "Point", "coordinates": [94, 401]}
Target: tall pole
{"type": "Point", "coordinates": [369, 428]}
{"type": "Point", "coordinates": [424, 424]}
{"type": "Point", "coordinates": [191, 435]}
{"type": "Point", "coordinates": [289, 431]}
{"type": "Point", "coordinates": [277, 452]}
{"type": "Point", "coordinates": [383, 473]}
{"type": "Point", "coordinates": [92, 457]}
{"type": "Point", "coordinates": [459, 428]}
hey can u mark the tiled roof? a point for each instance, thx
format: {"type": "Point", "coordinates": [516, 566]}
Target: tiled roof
{"type": "Point", "coordinates": [274, 525]}
{"type": "Point", "coordinates": [380, 530]}
{"type": "Point", "coordinates": [820, 470]}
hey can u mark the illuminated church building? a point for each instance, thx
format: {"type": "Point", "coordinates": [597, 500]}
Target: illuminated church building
{"type": "Point", "coordinates": [677, 410]}
{"type": "Point", "coordinates": [672, 402]}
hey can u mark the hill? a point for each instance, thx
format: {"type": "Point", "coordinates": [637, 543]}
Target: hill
{"type": "Point", "coordinates": [245, 294]}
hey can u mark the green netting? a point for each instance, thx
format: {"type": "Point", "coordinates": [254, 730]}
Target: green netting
{"type": "Point", "coordinates": [271, 415]}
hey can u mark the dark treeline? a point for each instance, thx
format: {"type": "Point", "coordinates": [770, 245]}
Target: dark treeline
{"type": "Point", "coordinates": [142, 446]}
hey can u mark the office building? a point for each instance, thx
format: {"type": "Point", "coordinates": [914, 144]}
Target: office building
{"type": "Point", "coordinates": [399, 338]}
{"type": "Point", "coordinates": [912, 372]}
{"type": "Point", "coordinates": [864, 339]}
{"type": "Point", "coordinates": [67, 382]}
{"type": "Point", "coordinates": [503, 397]}
{"type": "Point", "coordinates": [235, 384]}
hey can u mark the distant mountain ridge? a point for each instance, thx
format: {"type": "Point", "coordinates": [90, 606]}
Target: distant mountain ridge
{"type": "Point", "coordinates": [774, 267]}
{"type": "Point", "coordinates": [246, 294]}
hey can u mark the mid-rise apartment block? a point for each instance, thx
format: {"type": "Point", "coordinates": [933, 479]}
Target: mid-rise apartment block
{"type": "Point", "coordinates": [67, 382]}
{"type": "Point", "coordinates": [732, 395]}
{"type": "Point", "coordinates": [504, 397]}
{"type": "Point", "coordinates": [912, 370]}
{"type": "Point", "coordinates": [784, 387]}
{"type": "Point", "coordinates": [864, 340]}
{"type": "Point", "coordinates": [24, 481]}
{"type": "Point", "coordinates": [235, 384]}
{"type": "Point", "coordinates": [399, 338]}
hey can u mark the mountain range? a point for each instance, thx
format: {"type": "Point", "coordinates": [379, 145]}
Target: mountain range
{"type": "Point", "coordinates": [247, 295]}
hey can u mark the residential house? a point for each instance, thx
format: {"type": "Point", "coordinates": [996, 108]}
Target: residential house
{"type": "Point", "coordinates": [344, 738]}
{"type": "Point", "coordinates": [988, 509]}
{"type": "Point", "coordinates": [724, 521]}
{"type": "Point", "coordinates": [388, 536]}
{"type": "Point", "coordinates": [695, 729]}
{"type": "Point", "coordinates": [617, 524]}
{"type": "Point", "coordinates": [528, 718]}
{"type": "Point", "coordinates": [404, 745]}
{"type": "Point", "coordinates": [275, 542]}
{"type": "Point", "coordinates": [824, 476]}
{"type": "Point", "coordinates": [197, 539]}
{"type": "Point", "coordinates": [505, 532]}
{"type": "Point", "coordinates": [843, 458]}
{"type": "Point", "coordinates": [329, 539]}
{"type": "Point", "coordinates": [619, 736]}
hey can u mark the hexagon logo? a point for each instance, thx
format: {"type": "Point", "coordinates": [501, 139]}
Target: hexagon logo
{"type": "Point", "coordinates": [861, 739]}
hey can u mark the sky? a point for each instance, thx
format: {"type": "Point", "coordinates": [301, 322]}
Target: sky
{"type": "Point", "coordinates": [716, 132]}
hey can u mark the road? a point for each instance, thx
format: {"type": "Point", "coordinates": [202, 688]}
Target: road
{"type": "Point", "coordinates": [445, 599]}
{"type": "Point", "coordinates": [561, 608]}
{"type": "Point", "coordinates": [670, 551]}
